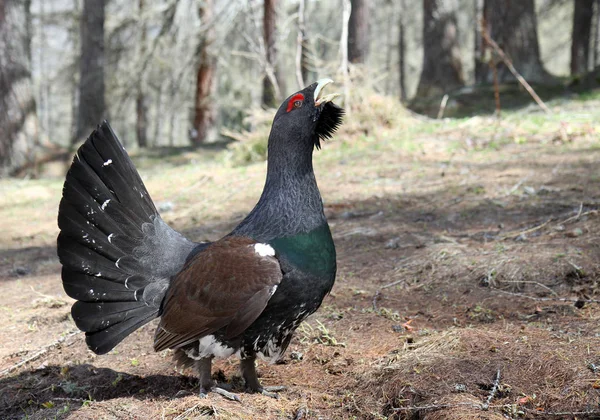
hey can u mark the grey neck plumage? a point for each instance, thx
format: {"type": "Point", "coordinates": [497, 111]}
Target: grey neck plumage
{"type": "Point", "coordinates": [290, 203]}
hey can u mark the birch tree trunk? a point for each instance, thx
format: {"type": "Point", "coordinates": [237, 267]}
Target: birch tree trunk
{"type": "Point", "coordinates": [18, 119]}
{"type": "Point", "coordinates": [402, 51]}
{"type": "Point", "coordinates": [141, 107]}
{"type": "Point", "coordinates": [91, 109]}
{"type": "Point", "coordinates": [302, 70]}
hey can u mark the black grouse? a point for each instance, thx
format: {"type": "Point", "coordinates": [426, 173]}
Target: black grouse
{"type": "Point", "coordinates": [244, 294]}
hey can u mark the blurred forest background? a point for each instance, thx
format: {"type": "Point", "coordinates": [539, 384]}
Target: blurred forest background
{"type": "Point", "coordinates": [462, 192]}
{"type": "Point", "coordinates": [181, 73]}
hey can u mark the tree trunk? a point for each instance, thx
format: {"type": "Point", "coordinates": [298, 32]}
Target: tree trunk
{"type": "Point", "coordinates": [597, 34]}
{"type": "Point", "coordinates": [402, 51]}
{"type": "Point", "coordinates": [141, 108]}
{"type": "Point", "coordinates": [91, 109]}
{"type": "Point", "coordinates": [389, 23]}
{"type": "Point", "coordinates": [204, 113]}
{"type": "Point", "coordinates": [481, 67]}
{"type": "Point", "coordinates": [580, 39]}
{"type": "Point", "coordinates": [18, 119]}
{"type": "Point", "coordinates": [513, 25]}
{"type": "Point", "coordinates": [442, 69]}
{"type": "Point", "coordinates": [272, 79]}
{"type": "Point", "coordinates": [302, 70]}
{"type": "Point", "coordinates": [358, 32]}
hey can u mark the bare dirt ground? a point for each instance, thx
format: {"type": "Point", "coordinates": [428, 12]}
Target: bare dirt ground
{"type": "Point", "coordinates": [469, 262]}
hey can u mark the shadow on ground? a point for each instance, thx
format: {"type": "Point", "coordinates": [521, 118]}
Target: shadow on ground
{"type": "Point", "coordinates": [49, 386]}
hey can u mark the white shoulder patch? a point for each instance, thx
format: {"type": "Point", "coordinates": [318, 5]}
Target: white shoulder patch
{"type": "Point", "coordinates": [264, 250]}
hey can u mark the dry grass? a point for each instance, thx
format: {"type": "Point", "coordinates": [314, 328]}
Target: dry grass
{"type": "Point", "coordinates": [438, 220]}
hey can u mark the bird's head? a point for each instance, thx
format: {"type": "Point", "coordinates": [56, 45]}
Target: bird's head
{"type": "Point", "coordinates": [306, 117]}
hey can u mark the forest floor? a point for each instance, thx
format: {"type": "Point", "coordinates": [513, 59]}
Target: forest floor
{"type": "Point", "coordinates": [467, 287]}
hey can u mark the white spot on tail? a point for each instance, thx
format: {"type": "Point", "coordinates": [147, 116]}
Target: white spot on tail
{"type": "Point", "coordinates": [105, 204]}
{"type": "Point", "coordinates": [108, 162]}
{"type": "Point", "coordinates": [264, 250]}
{"type": "Point", "coordinates": [110, 238]}
{"type": "Point", "coordinates": [117, 263]}
{"type": "Point", "coordinates": [98, 275]}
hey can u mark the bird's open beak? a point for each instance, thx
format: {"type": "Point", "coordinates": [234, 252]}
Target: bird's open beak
{"type": "Point", "coordinates": [319, 97]}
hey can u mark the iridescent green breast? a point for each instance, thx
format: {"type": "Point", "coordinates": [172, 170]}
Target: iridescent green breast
{"type": "Point", "coordinates": [312, 252]}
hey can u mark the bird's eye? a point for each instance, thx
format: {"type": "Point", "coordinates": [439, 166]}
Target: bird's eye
{"type": "Point", "coordinates": [295, 102]}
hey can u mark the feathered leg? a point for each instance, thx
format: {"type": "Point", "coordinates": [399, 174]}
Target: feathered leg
{"type": "Point", "coordinates": [248, 368]}
{"type": "Point", "coordinates": [203, 368]}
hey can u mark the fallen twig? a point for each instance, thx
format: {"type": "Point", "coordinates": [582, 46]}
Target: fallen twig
{"type": "Point", "coordinates": [209, 410]}
{"type": "Point", "coordinates": [442, 107]}
{"type": "Point", "coordinates": [514, 71]}
{"type": "Point", "coordinates": [302, 413]}
{"type": "Point", "coordinates": [561, 413]}
{"type": "Point", "coordinates": [375, 298]}
{"type": "Point", "coordinates": [576, 217]}
{"type": "Point", "coordinates": [481, 407]}
{"type": "Point", "coordinates": [516, 186]}
{"type": "Point", "coordinates": [513, 235]}
{"type": "Point", "coordinates": [546, 299]}
{"type": "Point", "coordinates": [536, 283]}
{"type": "Point", "coordinates": [39, 353]}
{"type": "Point", "coordinates": [391, 284]}
{"type": "Point", "coordinates": [443, 406]}
{"type": "Point", "coordinates": [490, 397]}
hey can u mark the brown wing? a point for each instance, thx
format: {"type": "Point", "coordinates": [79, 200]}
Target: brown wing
{"type": "Point", "coordinates": [226, 285]}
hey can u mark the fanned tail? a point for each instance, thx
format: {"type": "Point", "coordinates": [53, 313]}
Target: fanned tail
{"type": "Point", "coordinates": [118, 255]}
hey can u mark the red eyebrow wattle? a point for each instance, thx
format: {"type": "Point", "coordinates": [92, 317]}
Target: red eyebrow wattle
{"type": "Point", "coordinates": [296, 97]}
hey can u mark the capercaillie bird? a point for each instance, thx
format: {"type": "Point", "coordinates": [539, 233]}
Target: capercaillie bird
{"type": "Point", "coordinates": [243, 294]}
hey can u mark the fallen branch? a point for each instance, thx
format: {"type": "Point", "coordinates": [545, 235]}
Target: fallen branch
{"type": "Point", "coordinates": [490, 397]}
{"type": "Point", "coordinates": [514, 235]}
{"type": "Point", "coordinates": [443, 406]}
{"type": "Point", "coordinates": [375, 298]}
{"type": "Point", "coordinates": [579, 215]}
{"type": "Point", "coordinates": [546, 299]}
{"type": "Point", "coordinates": [536, 283]}
{"type": "Point", "coordinates": [516, 186]}
{"type": "Point", "coordinates": [302, 413]}
{"type": "Point", "coordinates": [480, 407]}
{"type": "Point", "coordinates": [204, 410]}
{"type": "Point", "coordinates": [391, 284]}
{"type": "Point", "coordinates": [514, 71]}
{"type": "Point", "coordinates": [561, 413]}
{"type": "Point", "coordinates": [442, 107]}
{"type": "Point", "coordinates": [39, 353]}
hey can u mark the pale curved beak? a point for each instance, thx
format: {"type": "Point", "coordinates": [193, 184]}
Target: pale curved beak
{"type": "Point", "coordinates": [319, 97]}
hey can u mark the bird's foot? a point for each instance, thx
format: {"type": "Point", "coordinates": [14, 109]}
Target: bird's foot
{"type": "Point", "coordinates": [223, 392]}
